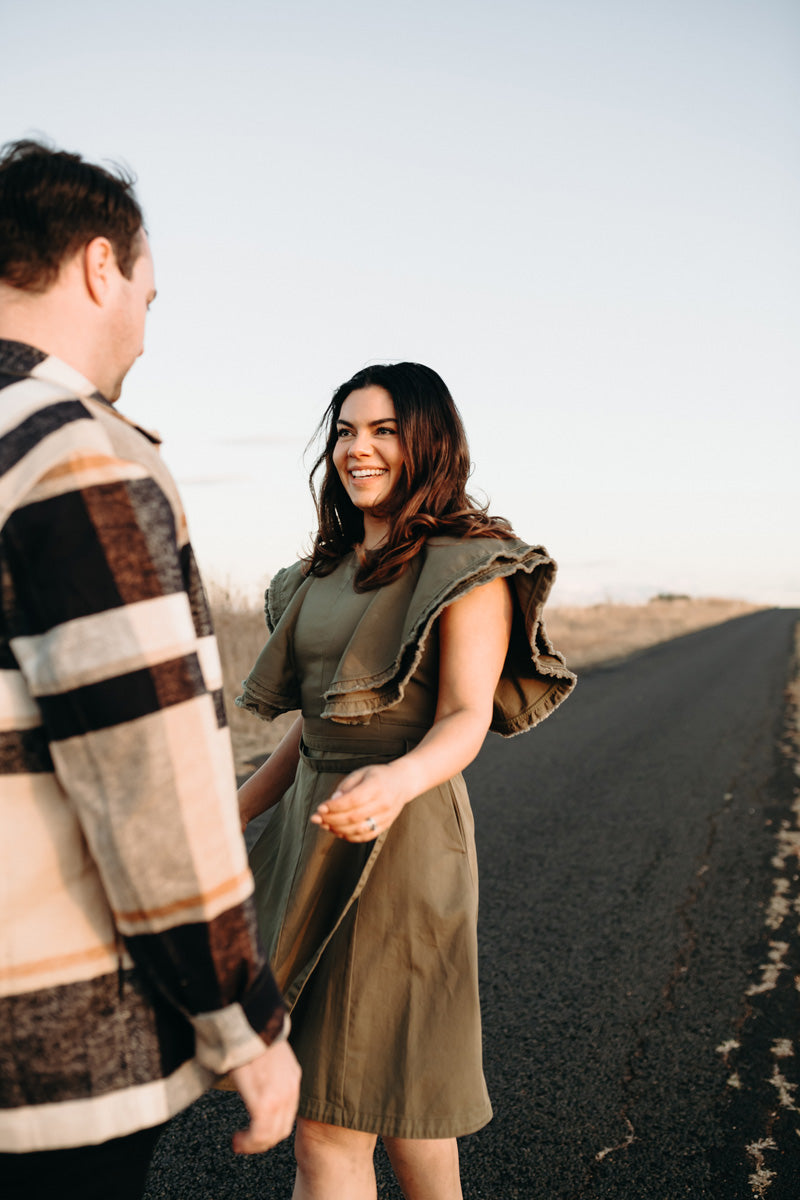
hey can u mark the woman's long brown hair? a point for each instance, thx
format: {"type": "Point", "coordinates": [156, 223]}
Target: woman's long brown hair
{"type": "Point", "coordinates": [429, 498]}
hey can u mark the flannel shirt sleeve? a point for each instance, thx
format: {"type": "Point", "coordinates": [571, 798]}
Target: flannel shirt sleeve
{"type": "Point", "coordinates": [110, 626]}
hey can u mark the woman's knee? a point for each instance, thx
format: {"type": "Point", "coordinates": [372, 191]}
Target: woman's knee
{"type": "Point", "coordinates": [315, 1141]}
{"type": "Point", "coordinates": [427, 1169]}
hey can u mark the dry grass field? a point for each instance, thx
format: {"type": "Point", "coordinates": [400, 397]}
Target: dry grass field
{"type": "Point", "coordinates": [241, 632]}
{"type": "Point", "coordinates": [602, 632]}
{"type": "Point", "coordinates": [586, 635]}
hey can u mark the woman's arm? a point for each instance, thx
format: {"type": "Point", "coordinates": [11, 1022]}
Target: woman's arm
{"type": "Point", "coordinates": [473, 638]}
{"type": "Point", "coordinates": [265, 786]}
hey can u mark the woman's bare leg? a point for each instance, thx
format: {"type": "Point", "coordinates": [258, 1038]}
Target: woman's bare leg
{"type": "Point", "coordinates": [333, 1163]}
{"type": "Point", "coordinates": [426, 1168]}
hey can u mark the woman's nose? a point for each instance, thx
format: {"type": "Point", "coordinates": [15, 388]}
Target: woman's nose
{"type": "Point", "coordinates": [362, 443]}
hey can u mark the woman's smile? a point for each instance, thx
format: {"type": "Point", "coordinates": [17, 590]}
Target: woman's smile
{"type": "Point", "coordinates": [368, 454]}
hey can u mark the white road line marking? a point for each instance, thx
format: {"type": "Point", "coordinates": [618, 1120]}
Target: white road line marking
{"type": "Point", "coordinates": [771, 970]}
{"type": "Point", "coordinates": [783, 906]}
{"type": "Point", "coordinates": [629, 1140]}
{"type": "Point", "coordinates": [761, 1178]}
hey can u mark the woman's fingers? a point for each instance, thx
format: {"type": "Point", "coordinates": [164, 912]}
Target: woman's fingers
{"type": "Point", "coordinates": [363, 805]}
{"type": "Point", "coordinates": [359, 825]}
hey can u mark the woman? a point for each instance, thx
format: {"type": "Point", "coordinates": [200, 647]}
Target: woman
{"type": "Point", "coordinates": [413, 627]}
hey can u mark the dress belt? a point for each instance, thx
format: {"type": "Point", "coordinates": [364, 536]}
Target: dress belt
{"type": "Point", "coordinates": [332, 754]}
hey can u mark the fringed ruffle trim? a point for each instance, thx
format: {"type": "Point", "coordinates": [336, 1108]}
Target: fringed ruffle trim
{"type": "Point", "coordinates": [535, 678]}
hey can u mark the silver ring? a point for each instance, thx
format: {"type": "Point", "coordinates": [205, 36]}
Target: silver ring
{"type": "Point", "coordinates": [370, 824]}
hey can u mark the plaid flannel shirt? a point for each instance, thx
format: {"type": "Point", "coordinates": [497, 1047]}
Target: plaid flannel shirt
{"type": "Point", "coordinates": [130, 967]}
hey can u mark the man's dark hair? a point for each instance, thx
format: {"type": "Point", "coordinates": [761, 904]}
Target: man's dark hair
{"type": "Point", "coordinates": [52, 204]}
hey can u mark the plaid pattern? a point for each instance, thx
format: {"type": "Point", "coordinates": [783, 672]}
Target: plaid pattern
{"type": "Point", "coordinates": [130, 967]}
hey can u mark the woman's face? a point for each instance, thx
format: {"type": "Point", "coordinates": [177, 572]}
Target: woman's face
{"type": "Point", "coordinates": [367, 453]}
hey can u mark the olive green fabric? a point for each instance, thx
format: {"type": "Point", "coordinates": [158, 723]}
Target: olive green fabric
{"type": "Point", "coordinates": [386, 644]}
{"type": "Point", "coordinates": [374, 945]}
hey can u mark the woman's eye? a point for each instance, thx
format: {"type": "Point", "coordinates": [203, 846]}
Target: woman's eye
{"type": "Point", "coordinates": [386, 429]}
{"type": "Point", "coordinates": [342, 432]}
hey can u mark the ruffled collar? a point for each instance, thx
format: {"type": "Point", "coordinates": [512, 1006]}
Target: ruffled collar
{"type": "Point", "coordinates": [387, 644]}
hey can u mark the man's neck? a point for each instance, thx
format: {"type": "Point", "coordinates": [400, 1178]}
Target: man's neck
{"type": "Point", "coordinates": [44, 321]}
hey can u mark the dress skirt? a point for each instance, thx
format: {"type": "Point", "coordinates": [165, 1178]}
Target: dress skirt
{"type": "Point", "coordinates": [375, 947]}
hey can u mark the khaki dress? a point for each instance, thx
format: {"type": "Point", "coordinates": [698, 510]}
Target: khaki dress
{"type": "Point", "coordinates": [374, 945]}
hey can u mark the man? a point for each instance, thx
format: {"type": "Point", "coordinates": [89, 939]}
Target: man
{"type": "Point", "coordinates": [130, 970]}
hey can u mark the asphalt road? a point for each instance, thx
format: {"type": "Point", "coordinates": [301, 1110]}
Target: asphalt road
{"type": "Point", "coordinates": [640, 912]}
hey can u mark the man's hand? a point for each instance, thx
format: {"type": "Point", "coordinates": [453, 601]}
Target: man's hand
{"type": "Point", "coordinates": [270, 1087]}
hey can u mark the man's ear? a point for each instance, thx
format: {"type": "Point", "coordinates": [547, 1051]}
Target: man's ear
{"type": "Point", "coordinates": [99, 267]}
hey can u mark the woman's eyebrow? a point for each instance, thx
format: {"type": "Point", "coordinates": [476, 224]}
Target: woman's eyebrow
{"type": "Point", "coordinates": [382, 421]}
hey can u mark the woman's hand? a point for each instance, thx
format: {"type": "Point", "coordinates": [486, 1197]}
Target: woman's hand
{"type": "Point", "coordinates": [365, 803]}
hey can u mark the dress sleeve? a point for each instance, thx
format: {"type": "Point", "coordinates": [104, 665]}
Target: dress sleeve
{"type": "Point", "coordinates": [282, 589]}
{"type": "Point", "coordinates": [272, 686]}
{"type": "Point", "coordinates": [110, 628]}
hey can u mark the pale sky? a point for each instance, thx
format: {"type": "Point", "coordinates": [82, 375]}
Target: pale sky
{"type": "Point", "coordinates": [582, 213]}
